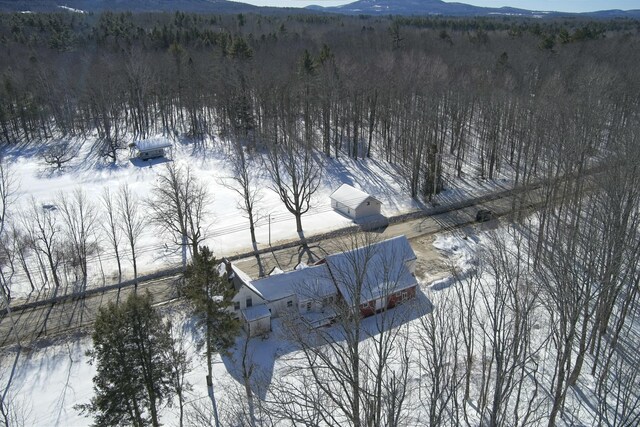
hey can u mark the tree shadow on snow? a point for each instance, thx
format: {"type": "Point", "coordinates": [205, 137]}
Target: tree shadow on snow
{"type": "Point", "coordinates": [139, 163]}
{"type": "Point", "coordinates": [263, 351]}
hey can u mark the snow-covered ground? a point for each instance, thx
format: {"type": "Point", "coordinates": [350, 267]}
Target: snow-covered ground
{"type": "Point", "coordinates": [46, 382]}
{"type": "Point", "coordinates": [227, 229]}
{"type": "Point", "coordinates": [50, 378]}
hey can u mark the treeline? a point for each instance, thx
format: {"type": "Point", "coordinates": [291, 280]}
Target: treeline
{"type": "Point", "coordinates": [410, 91]}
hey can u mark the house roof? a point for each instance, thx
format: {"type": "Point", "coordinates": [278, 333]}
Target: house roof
{"type": "Point", "coordinates": [373, 271]}
{"type": "Point", "coordinates": [152, 144]}
{"type": "Point", "coordinates": [351, 196]}
{"type": "Point", "coordinates": [307, 283]}
{"type": "Point", "coordinates": [240, 278]}
{"type": "Point", "coordinates": [255, 313]}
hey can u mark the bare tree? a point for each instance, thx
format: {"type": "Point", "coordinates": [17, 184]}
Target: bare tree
{"type": "Point", "coordinates": [79, 215]}
{"type": "Point", "coordinates": [111, 226]}
{"type": "Point", "coordinates": [59, 154]}
{"type": "Point", "coordinates": [8, 188]}
{"type": "Point", "coordinates": [131, 222]}
{"type": "Point", "coordinates": [294, 171]}
{"type": "Point", "coordinates": [356, 372]}
{"type": "Point", "coordinates": [178, 205]}
{"type": "Point", "coordinates": [243, 182]}
{"type": "Point", "coordinates": [466, 294]}
{"type": "Point", "coordinates": [7, 198]}
{"type": "Point", "coordinates": [12, 411]}
{"type": "Point", "coordinates": [506, 313]}
{"type": "Point", "coordinates": [617, 390]}
{"type": "Point", "coordinates": [7, 267]}
{"type": "Point", "coordinates": [23, 248]}
{"type": "Point", "coordinates": [45, 233]}
{"type": "Point", "coordinates": [439, 344]}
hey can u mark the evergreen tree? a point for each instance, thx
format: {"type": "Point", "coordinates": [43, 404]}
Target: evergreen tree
{"type": "Point", "coordinates": [131, 348]}
{"type": "Point", "coordinates": [240, 49]}
{"type": "Point", "coordinates": [210, 294]}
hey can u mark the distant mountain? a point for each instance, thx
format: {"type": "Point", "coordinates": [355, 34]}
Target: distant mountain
{"type": "Point", "coordinates": [438, 7]}
{"type": "Point", "coordinates": [365, 7]}
{"type": "Point", "coordinates": [196, 6]}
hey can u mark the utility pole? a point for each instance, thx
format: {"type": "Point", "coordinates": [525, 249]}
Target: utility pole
{"type": "Point", "coordinates": [269, 229]}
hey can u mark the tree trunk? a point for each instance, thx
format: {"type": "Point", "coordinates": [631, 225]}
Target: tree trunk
{"type": "Point", "coordinates": [298, 222]}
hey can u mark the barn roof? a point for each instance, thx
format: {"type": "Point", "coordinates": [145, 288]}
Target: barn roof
{"type": "Point", "coordinates": [378, 270]}
{"type": "Point", "coordinates": [351, 196]}
{"type": "Point", "coordinates": [307, 283]}
{"type": "Point", "coordinates": [152, 144]}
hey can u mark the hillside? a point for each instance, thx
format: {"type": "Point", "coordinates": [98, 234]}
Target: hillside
{"type": "Point", "coordinates": [194, 6]}
{"type": "Point", "coordinates": [438, 7]}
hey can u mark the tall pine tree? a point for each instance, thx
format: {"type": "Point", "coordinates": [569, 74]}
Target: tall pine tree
{"type": "Point", "coordinates": [131, 350]}
{"type": "Point", "coordinates": [210, 294]}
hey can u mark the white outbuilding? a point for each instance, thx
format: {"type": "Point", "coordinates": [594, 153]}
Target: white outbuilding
{"type": "Point", "coordinates": [151, 148]}
{"type": "Point", "coordinates": [256, 320]}
{"type": "Point", "coordinates": [354, 203]}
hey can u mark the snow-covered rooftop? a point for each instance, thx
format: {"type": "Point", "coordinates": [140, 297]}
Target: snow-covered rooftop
{"type": "Point", "coordinates": [152, 144]}
{"type": "Point", "coordinates": [256, 312]}
{"type": "Point", "coordinates": [351, 196]}
{"type": "Point", "coordinates": [378, 269]}
{"type": "Point", "coordinates": [241, 278]}
{"type": "Point", "coordinates": [307, 283]}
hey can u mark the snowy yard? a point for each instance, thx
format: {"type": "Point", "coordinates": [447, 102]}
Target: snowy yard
{"type": "Point", "coordinates": [49, 379]}
{"type": "Point", "coordinates": [227, 229]}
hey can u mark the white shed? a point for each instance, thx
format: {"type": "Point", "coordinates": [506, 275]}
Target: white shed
{"type": "Point", "coordinates": [354, 203]}
{"type": "Point", "coordinates": [151, 148]}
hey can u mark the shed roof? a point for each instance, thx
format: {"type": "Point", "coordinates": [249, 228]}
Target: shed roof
{"type": "Point", "coordinates": [377, 270]}
{"type": "Point", "coordinates": [152, 144]}
{"type": "Point", "coordinates": [255, 313]}
{"type": "Point", "coordinates": [351, 196]}
{"type": "Point", "coordinates": [307, 283]}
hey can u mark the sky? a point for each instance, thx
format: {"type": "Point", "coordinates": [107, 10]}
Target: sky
{"type": "Point", "coordinates": [555, 5]}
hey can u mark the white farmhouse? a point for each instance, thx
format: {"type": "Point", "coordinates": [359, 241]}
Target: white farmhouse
{"type": "Point", "coordinates": [309, 291]}
{"type": "Point", "coordinates": [354, 203]}
{"type": "Point", "coordinates": [383, 272]}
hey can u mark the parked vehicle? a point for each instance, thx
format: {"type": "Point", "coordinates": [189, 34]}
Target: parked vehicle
{"type": "Point", "coordinates": [484, 215]}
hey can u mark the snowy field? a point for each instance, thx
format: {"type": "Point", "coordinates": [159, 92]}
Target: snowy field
{"type": "Point", "coordinates": [227, 230]}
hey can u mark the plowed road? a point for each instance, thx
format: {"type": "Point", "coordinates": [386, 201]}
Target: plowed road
{"type": "Point", "coordinates": [54, 319]}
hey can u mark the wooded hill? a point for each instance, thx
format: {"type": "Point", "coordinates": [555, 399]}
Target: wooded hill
{"type": "Point", "coordinates": [408, 90]}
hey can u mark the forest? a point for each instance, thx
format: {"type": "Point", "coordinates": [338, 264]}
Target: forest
{"type": "Point", "coordinates": [407, 90]}
{"type": "Point", "coordinates": [556, 102]}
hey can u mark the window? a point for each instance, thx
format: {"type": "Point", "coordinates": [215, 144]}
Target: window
{"type": "Point", "coordinates": [289, 303]}
{"type": "Point", "coordinates": [308, 305]}
{"type": "Point", "coordinates": [236, 305]}
{"type": "Point", "coordinates": [368, 203]}
{"type": "Point", "coordinates": [405, 295]}
{"type": "Point", "coordinates": [249, 302]}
